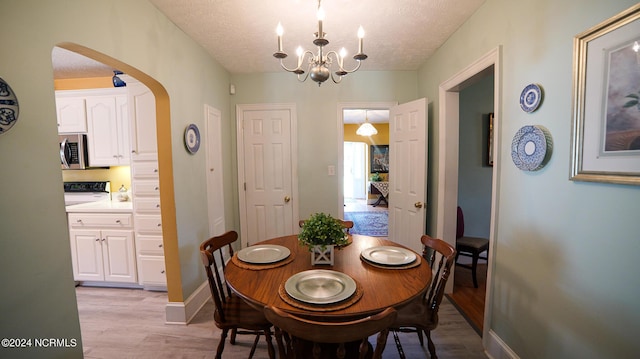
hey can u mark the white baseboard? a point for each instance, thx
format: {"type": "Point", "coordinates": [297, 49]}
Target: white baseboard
{"type": "Point", "coordinates": [497, 349]}
{"type": "Point", "coordinates": [183, 312]}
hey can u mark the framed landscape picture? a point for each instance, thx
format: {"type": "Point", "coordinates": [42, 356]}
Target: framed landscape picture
{"type": "Point", "coordinates": [605, 140]}
{"type": "Point", "coordinates": [379, 158]}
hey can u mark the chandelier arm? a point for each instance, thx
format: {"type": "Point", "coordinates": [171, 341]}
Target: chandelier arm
{"type": "Point", "coordinates": [306, 74]}
{"type": "Point", "coordinates": [334, 79]}
{"type": "Point", "coordinates": [300, 62]}
{"type": "Point", "coordinates": [341, 63]}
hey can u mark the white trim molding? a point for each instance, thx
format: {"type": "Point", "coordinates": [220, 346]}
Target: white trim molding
{"type": "Point", "coordinates": [497, 349]}
{"type": "Point", "coordinates": [183, 312]}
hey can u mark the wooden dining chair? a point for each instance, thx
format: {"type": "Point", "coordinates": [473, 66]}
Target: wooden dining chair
{"type": "Point", "coordinates": [421, 315]}
{"type": "Point", "coordinates": [304, 338]}
{"type": "Point", "coordinates": [469, 247]}
{"type": "Point", "coordinates": [347, 225]}
{"type": "Point", "coordinates": [231, 312]}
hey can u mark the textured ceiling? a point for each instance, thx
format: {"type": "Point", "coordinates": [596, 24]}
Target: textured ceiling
{"type": "Point", "coordinates": [240, 34]}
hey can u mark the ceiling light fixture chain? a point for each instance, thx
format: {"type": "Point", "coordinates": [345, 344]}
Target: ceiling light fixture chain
{"type": "Point", "coordinates": [318, 66]}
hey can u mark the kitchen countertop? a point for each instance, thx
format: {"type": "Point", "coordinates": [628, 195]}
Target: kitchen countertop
{"type": "Point", "coordinates": [106, 206]}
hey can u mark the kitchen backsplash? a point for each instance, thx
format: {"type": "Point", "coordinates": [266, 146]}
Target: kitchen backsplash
{"type": "Point", "coordinates": [118, 176]}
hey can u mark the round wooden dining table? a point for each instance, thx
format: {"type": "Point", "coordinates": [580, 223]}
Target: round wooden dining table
{"type": "Point", "coordinates": [379, 287]}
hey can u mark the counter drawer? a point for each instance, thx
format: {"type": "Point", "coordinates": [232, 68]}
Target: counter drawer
{"type": "Point", "coordinates": [148, 224]}
{"type": "Point", "coordinates": [146, 188]}
{"type": "Point", "coordinates": [149, 245]}
{"type": "Point", "coordinates": [101, 220]}
{"type": "Point", "coordinates": [144, 169]}
{"type": "Point", "coordinates": [149, 205]}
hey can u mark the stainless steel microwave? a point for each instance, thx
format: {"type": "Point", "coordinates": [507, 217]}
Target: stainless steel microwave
{"type": "Point", "coordinates": [73, 152]}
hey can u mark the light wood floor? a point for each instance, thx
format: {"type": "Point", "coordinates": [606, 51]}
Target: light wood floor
{"type": "Point", "coordinates": [129, 323]}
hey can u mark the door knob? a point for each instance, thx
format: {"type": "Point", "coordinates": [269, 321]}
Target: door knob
{"type": "Point", "coordinates": [287, 199]}
{"type": "Point", "coordinates": [418, 204]}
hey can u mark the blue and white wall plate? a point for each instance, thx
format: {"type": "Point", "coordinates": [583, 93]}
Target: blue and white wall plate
{"type": "Point", "coordinates": [531, 148]}
{"type": "Point", "coordinates": [530, 98]}
{"type": "Point", "coordinates": [192, 138]}
{"type": "Point", "coordinates": [8, 107]}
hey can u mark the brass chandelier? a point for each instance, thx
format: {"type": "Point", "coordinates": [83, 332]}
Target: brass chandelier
{"type": "Point", "coordinates": [318, 65]}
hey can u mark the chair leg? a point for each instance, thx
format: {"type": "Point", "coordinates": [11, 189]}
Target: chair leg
{"type": "Point", "coordinates": [430, 345]}
{"type": "Point", "coordinates": [270, 349]}
{"type": "Point", "coordinates": [255, 344]}
{"type": "Point", "coordinates": [474, 264]}
{"type": "Point", "coordinates": [396, 338]}
{"type": "Point", "coordinates": [419, 332]}
{"type": "Point", "coordinates": [223, 338]}
{"type": "Point", "coordinates": [232, 339]}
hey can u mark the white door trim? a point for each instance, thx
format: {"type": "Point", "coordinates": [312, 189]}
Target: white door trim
{"type": "Point", "coordinates": [291, 107]}
{"type": "Point", "coordinates": [447, 198]}
{"type": "Point", "coordinates": [340, 170]}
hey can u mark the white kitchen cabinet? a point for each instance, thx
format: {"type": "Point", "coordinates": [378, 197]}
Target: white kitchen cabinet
{"type": "Point", "coordinates": [103, 247]}
{"type": "Point", "coordinates": [142, 113]}
{"type": "Point", "coordinates": [71, 112]}
{"type": "Point", "coordinates": [108, 130]}
{"type": "Point", "coordinates": [145, 187]}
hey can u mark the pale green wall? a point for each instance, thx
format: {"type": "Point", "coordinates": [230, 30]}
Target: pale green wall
{"type": "Point", "coordinates": [38, 297]}
{"type": "Point", "coordinates": [317, 111]}
{"type": "Point", "coordinates": [566, 279]}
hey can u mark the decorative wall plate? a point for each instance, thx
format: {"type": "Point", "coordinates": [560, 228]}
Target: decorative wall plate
{"type": "Point", "coordinates": [192, 138]}
{"type": "Point", "coordinates": [531, 148]}
{"type": "Point", "coordinates": [530, 98]}
{"type": "Point", "coordinates": [8, 107]}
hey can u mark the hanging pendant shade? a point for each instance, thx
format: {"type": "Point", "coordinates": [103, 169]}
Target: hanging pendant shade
{"type": "Point", "coordinates": [366, 129]}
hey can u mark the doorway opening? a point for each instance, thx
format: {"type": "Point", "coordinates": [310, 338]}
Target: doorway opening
{"type": "Point", "coordinates": [69, 62]}
{"type": "Point", "coordinates": [449, 128]}
{"type": "Point", "coordinates": [358, 201]}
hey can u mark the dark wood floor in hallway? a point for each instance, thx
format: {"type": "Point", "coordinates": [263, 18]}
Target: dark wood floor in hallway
{"type": "Point", "coordinates": [470, 300]}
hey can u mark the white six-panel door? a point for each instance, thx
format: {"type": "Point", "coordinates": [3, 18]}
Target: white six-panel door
{"type": "Point", "coordinates": [215, 188]}
{"type": "Point", "coordinates": [408, 165]}
{"type": "Point", "coordinates": [266, 171]}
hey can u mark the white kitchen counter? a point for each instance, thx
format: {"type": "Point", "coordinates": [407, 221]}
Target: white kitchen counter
{"type": "Point", "coordinates": [106, 206]}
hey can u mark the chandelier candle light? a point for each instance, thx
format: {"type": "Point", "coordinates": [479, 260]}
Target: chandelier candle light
{"type": "Point", "coordinates": [318, 65]}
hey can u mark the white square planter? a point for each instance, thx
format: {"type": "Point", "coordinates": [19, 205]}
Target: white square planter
{"type": "Point", "coordinates": [320, 256]}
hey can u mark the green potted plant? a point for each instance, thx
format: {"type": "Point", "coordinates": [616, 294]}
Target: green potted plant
{"type": "Point", "coordinates": [321, 233]}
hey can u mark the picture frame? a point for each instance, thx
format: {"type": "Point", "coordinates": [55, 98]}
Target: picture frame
{"type": "Point", "coordinates": [379, 158]}
{"type": "Point", "coordinates": [489, 156]}
{"type": "Point", "coordinates": [605, 136]}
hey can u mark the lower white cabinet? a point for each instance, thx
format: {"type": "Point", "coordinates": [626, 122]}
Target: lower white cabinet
{"type": "Point", "coordinates": [102, 247]}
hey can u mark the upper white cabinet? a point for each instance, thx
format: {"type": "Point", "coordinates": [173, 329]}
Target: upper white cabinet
{"type": "Point", "coordinates": [72, 113]}
{"type": "Point", "coordinates": [142, 112]}
{"type": "Point", "coordinates": [108, 130]}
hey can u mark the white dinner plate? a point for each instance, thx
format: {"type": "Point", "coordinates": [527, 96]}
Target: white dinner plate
{"type": "Point", "coordinates": [320, 286]}
{"type": "Point", "coordinates": [389, 255]}
{"type": "Point", "coordinates": [262, 254]}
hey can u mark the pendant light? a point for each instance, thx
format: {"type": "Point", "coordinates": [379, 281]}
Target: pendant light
{"type": "Point", "coordinates": [366, 129]}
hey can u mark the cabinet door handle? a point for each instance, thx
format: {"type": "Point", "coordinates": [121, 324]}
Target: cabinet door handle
{"type": "Point", "coordinates": [118, 221]}
{"type": "Point", "coordinates": [156, 188]}
{"type": "Point", "coordinates": [79, 220]}
{"type": "Point", "coordinates": [155, 170]}
{"type": "Point", "coordinates": [159, 245]}
{"type": "Point", "coordinates": [162, 271]}
{"type": "Point", "coordinates": [158, 205]}
{"type": "Point", "coordinates": [104, 239]}
{"type": "Point", "coordinates": [97, 239]}
{"type": "Point", "coordinates": [159, 224]}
